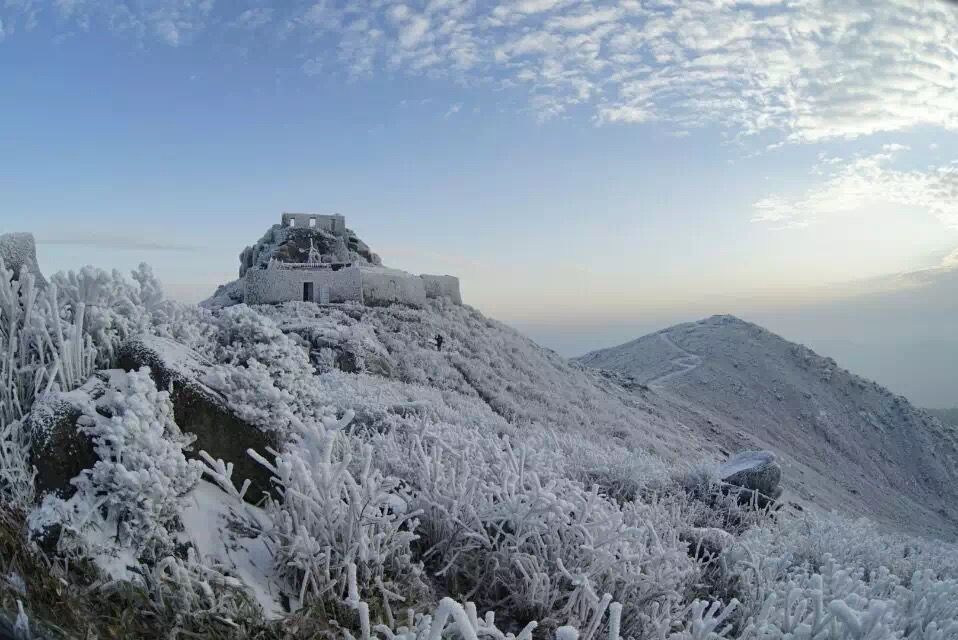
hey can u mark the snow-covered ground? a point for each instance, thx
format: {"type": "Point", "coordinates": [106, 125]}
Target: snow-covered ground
{"type": "Point", "coordinates": [415, 487]}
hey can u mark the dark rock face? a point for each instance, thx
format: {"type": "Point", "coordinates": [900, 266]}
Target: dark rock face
{"type": "Point", "coordinates": [200, 410]}
{"type": "Point", "coordinates": [18, 251]}
{"type": "Point", "coordinates": [58, 449]}
{"type": "Point", "coordinates": [754, 471]}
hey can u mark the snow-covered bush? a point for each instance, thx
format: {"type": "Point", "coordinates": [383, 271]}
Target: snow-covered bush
{"type": "Point", "coordinates": [112, 307]}
{"type": "Point", "coordinates": [41, 348]}
{"type": "Point", "coordinates": [130, 500]}
{"type": "Point", "coordinates": [341, 530]}
{"type": "Point", "coordinates": [191, 588]}
{"type": "Point", "coordinates": [451, 619]}
{"type": "Point", "coordinates": [16, 472]}
{"type": "Point", "coordinates": [53, 338]}
{"type": "Point", "coordinates": [534, 546]}
{"type": "Point", "coordinates": [876, 586]}
{"type": "Point", "coordinates": [265, 374]}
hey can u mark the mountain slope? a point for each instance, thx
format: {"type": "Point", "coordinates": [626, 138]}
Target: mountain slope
{"type": "Point", "coordinates": [519, 385]}
{"type": "Point", "coordinates": [947, 416]}
{"type": "Point", "coordinates": [488, 475]}
{"type": "Point", "coordinates": [847, 442]}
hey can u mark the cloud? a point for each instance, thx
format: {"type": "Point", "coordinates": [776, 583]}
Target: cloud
{"type": "Point", "coordinates": [453, 110]}
{"type": "Point", "coordinates": [100, 240]}
{"type": "Point", "coordinates": [252, 19]}
{"type": "Point", "coordinates": [852, 185]}
{"type": "Point", "coordinates": [171, 22]}
{"type": "Point", "coordinates": [796, 70]}
{"type": "Point", "coordinates": [950, 261]}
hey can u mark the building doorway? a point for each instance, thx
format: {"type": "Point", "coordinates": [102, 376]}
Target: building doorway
{"type": "Point", "coordinates": [307, 292]}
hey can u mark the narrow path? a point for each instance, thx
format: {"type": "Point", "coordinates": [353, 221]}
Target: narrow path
{"type": "Point", "coordinates": [687, 362]}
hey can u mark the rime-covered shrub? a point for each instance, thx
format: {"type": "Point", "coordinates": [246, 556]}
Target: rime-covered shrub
{"type": "Point", "coordinates": [451, 619]}
{"type": "Point", "coordinates": [341, 530]}
{"type": "Point", "coordinates": [53, 338]}
{"type": "Point", "coordinates": [131, 496]}
{"type": "Point", "coordinates": [42, 347]}
{"type": "Point", "coordinates": [534, 546]}
{"type": "Point", "coordinates": [265, 374]}
{"type": "Point", "coordinates": [876, 586]}
{"type": "Point", "coordinates": [113, 308]}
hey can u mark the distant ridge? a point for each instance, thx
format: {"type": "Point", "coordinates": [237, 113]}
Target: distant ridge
{"type": "Point", "coordinates": [846, 441]}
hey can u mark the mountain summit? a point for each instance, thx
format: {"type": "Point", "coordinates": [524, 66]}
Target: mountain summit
{"type": "Point", "coordinates": [847, 442]}
{"type": "Point", "coordinates": [314, 258]}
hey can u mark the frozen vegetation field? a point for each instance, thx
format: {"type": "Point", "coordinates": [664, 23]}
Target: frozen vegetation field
{"type": "Point", "coordinates": [391, 489]}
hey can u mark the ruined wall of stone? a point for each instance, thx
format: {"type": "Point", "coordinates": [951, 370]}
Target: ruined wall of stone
{"type": "Point", "coordinates": [442, 287]}
{"type": "Point", "coordinates": [374, 286]}
{"type": "Point", "coordinates": [332, 223]}
{"type": "Point", "coordinates": [271, 286]}
{"type": "Point", "coordinates": [382, 287]}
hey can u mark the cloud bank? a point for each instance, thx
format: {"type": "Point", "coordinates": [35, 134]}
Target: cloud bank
{"type": "Point", "coordinates": [798, 70]}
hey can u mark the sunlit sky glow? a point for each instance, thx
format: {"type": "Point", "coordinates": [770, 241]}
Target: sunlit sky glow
{"type": "Point", "coordinates": [591, 170]}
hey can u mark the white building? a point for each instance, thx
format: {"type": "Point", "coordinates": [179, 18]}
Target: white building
{"type": "Point", "coordinates": [337, 282]}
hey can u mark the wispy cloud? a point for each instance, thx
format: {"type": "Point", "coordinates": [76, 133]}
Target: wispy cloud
{"type": "Point", "coordinates": [254, 18]}
{"type": "Point", "coordinates": [850, 185]}
{"type": "Point", "coordinates": [102, 240]}
{"type": "Point", "coordinates": [452, 110]}
{"type": "Point", "coordinates": [798, 70]}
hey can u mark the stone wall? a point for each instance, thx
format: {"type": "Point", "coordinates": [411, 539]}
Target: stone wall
{"type": "Point", "coordinates": [373, 286]}
{"type": "Point", "coordinates": [332, 223]}
{"type": "Point", "coordinates": [442, 287]}
{"type": "Point", "coordinates": [382, 287]}
{"type": "Point", "coordinates": [271, 286]}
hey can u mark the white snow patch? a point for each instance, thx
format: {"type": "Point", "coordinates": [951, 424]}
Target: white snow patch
{"type": "Point", "coordinates": [214, 523]}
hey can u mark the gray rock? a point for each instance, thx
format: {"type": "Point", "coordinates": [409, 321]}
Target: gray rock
{"type": "Point", "coordinates": [756, 471]}
{"type": "Point", "coordinates": [59, 450]}
{"type": "Point", "coordinates": [200, 410]}
{"type": "Point", "coordinates": [19, 252]}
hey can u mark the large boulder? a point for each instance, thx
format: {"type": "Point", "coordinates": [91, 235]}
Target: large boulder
{"type": "Point", "coordinates": [18, 251]}
{"type": "Point", "coordinates": [753, 471]}
{"type": "Point", "coordinates": [200, 410]}
{"type": "Point", "coordinates": [59, 450]}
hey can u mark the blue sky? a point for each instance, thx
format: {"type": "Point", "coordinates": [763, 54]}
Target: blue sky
{"type": "Point", "coordinates": [590, 170]}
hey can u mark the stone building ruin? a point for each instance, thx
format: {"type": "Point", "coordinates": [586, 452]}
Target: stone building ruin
{"type": "Point", "coordinates": [316, 258]}
{"type": "Point", "coordinates": [335, 223]}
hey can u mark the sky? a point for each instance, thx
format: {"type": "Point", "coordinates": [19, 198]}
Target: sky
{"type": "Point", "coordinates": [590, 170]}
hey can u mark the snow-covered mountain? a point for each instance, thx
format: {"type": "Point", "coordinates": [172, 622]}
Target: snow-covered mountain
{"type": "Point", "coordinates": [307, 469]}
{"type": "Point", "coordinates": [846, 442]}
{"type": "Point", "coordinates": [947, 416]}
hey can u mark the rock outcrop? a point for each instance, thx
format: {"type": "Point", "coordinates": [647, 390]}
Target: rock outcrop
{"type": "Point", "coordinates": [200, 410]}
{"type": "Point", "coordinates": [18, 251]}
{"type": "Point", "coordinates": [58, 449]}
{"type": "Point", "coordinates": [757, 471]}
